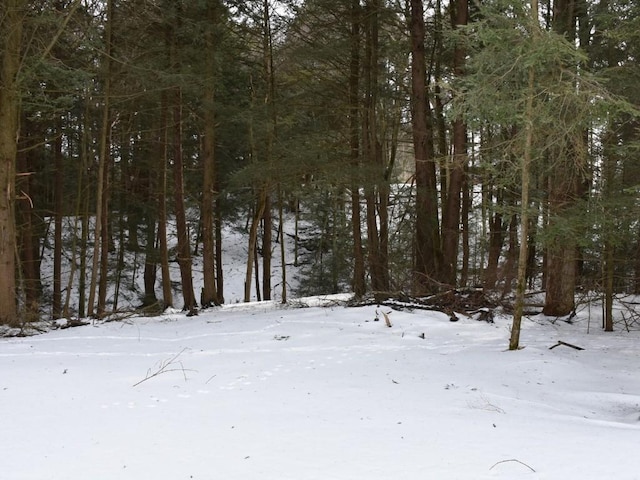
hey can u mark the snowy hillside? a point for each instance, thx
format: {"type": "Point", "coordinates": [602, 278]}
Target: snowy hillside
{"type": "Point", "coordinates": [261, 392]}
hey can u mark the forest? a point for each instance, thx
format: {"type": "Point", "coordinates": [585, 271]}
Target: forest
{"type": "Point", "coordinates": [419, 147]}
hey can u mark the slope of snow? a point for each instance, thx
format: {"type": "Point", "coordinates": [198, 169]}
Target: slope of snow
{"type": "Point", "coordinates": [260, 391]}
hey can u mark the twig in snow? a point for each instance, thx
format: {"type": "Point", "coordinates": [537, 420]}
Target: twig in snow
{"type": "Point", "coordinates": [513, 460]}
{"type": "Point", "coordinates": [560, 342]}
{"type": "Point", "coordinates": [166, 366]}
{"type": "Point", "coordinates": [386, 319]}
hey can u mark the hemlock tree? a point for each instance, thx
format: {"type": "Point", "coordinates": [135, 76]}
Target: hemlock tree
{"type": "Point", "coordinates": [12, 15]}
{"type": "Point", "coordinates": [528, 79]}
{"type": "Point", "coordinates": [428, 256]}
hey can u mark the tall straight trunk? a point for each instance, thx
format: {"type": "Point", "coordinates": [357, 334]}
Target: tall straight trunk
{"type": "Point", "coordinates": [451, 213]}
{"type": "Point", "coordinates": [105, 235]}
{"type": "Point", "coordinates": [253, 242]}
{"type": "Point", "coordinates": [428, 257]}
{"type": "Point", "coordinates": [57, 215]}
{"type": "Point", "coordinates": [148, 181]}
{"type": "Point", "coordinates": [376, 192]}
{"type": "Point", "coordinates": [10, 42]}
{"type": "Point", "coordinates": [150, 264]}
{"type": "Point", "coordinates": [269, 101]}
{"type": "Point", "coordinates": [209, 295]}
{"type": "Point", "coordinates": [219, 271]}
{"type": "Point", "coordinates": [184, 249]}
{"type": "Point", "coordinates": [358, 282]}
{"type": "Point", "coordinates": [78, 219]}
{"type": "Point", "coordinates": [280, 239]}
{"type": "Point", "coordinates": [514, 340]}
{"type": "Point", "coordinates": [267, 238]}
{"type": "Point", "coordinates": [496, 239]}
{"type": "Point", "coordinates": [103, 158]}
{"type": "Point", "coordinates": [29, 223]}
{"type": "Point", "coordinates": [611, 187]}
{"type": "Point", "coordinates": [563, 192]}
{"type": "Point", "coordinates": [509, 271]}
{"type": "Point", "coordinates": [466, 247]}
{"type": "Point", "coordinates": [182, 232]}
{"type": "Point", "coordinates": [84, 245]}
{"type": "Point", "coordinates": [167, 292]}
{"type": "Point", "coordinates": [636, 286]}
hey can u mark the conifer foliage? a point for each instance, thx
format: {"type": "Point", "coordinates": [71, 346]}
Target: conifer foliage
{"type": "Point", "coordinates": [414, 148]}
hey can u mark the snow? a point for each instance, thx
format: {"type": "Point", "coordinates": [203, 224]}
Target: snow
{"type": "Point", "coordinates": [265, 391]}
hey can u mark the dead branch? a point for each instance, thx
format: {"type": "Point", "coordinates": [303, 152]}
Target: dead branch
{"type": "Point", "coordinates": [560, 342]}
{"type": "Point", "coordinates": [166, 366]}
{"type": "Point", "coordinates": [513, 460]}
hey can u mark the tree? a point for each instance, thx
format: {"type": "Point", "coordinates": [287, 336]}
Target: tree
{"type": "Point", "coordinates": [105, 126]}
{"type": "Point", "coordinates": [359, 285]}
{"type": "Point", "coordinates": [456, 168]}
{"type": "Point", "coordinates": [11, 20]}
{"type": "Point", "coordinates": [428, 258]}
{"type": "Point", "coordinates": [565, 178]}
{"type": "Point", "coordinates": [525, 77]}
{"type": "Point", "coordinates": [209, 294]}
{"type": "Point", "coordinates": [176, 99]}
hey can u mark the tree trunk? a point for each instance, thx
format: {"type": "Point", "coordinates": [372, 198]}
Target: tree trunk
{"type": "Point", "coordinates": [509, 270]}
{"type": "Point", "coordinates": [28, 231]}
{"type": "Point", "coordinates": [105, 235]}
{"type": "Point", "coordinates": [219, 271]}
{"type": "Point", "coordinates": [209, 295]}
{"type": "Point", "coordinates": [427, 239]}
{"type": "Point", "coordinates": [496, 240]}
{"type": "Point", "coordinates": [10, 42]}
{"type": "Point", "coordinates": [58, 214]}
{"type": "Point", "coordinates": [167, 292]}
{"type": "Point", "coordinates": [283, 257]}
{"type": "Point", "coordinates": [103, 158]}
{"type": "Point", "coordinates": [451, 213]}
{"type": "Point", "coordinates": [359, 285]}
{"type": "Point", "coordinates": [563, 190]}
{"type": "Point", "coordinates": [514, 340]}
{"type": "Point", "coordinates": [376, 190]}
{"type": "Point", "coordinates": [267, 237]}
{"type": "Point", "coordinates": [182, 232]}
{"type": "Point", "coordinates": [184, 249]}
{"type": "Point", "coordinates": [253, 241]}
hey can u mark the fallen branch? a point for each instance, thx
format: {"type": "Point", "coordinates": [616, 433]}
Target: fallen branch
{"type": "Point", "coordinates": [560, 342]}
{"type": "Point", "coordinates": [166, 366]}
{"type": "Point", "coordinates": [513, 460]}
{"type": "Point", "coordinates": [386, 319]}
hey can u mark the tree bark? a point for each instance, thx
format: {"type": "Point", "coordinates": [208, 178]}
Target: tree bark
{"type": "Point", "coordinates": [563, 190]}
{"type": "Point", "coordinates": [30, 223]}
{"type": "Point", "coordinates": [456, 169]}
{"type": "Point", "coordinates": [359, 286]}
{"type": "Point", "coordinates": [253, 241]}
{"type": "Point", "coordinates": [10, 41]}
{"type": "Point", "coordinates": [209, 295]}
{"type": "Point", "coordinates": [267, 237]}
{"type": "Point", "coordinates": [376, 190]}
{"type": "Point", "coordinates": [167, 292]}
{"type": "Point", "coordinates": [103, 158]}
{"type": "Point", "coordinates": [427, 237]}
{"type": "Point", "coordinates": [58, 214]}
{"type": "Point", "coordinates": [184, 249]}
{"type": "Point", "coordinates": [182, 232]}
{"type": "Point", "coordinates": [514, 340]}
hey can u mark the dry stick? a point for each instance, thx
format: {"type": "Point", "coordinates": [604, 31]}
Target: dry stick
{"type": "Point", "coordinates": [512, 460]}
{"type": "Point", "coordinates": [163, 368]}
{"type": "Point", "coordinates": [386, 319]}
{"type": "Point", "coordinates": [560, 342]}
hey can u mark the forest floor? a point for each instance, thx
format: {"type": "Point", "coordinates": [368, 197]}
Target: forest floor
{"type": "Point", "coordinates": [328, 392]}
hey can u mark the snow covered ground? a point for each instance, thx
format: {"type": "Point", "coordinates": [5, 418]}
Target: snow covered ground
{"type": "Point", "coordinates": [256, 391]}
